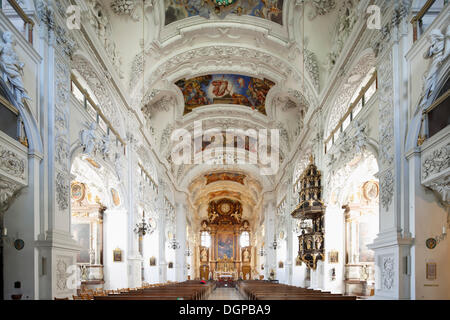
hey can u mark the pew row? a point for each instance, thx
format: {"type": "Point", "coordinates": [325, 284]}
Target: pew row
{"type": "Point", "coordinates": [263, 290]}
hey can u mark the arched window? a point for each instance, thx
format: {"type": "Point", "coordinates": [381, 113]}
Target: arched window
{"type": "Point", "coordinates": [245, 239]}
{"type": "Point", "coordinates": [205, 239]}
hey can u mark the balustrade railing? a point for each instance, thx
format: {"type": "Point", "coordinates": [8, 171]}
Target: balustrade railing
{"type": "Point", "coordinates": [424, 18]}
{"type": "Point", "coordinates": [364, 96]}
{"type": "Point", "coordinates": [28, 23]}
{"type": "Point", "coordinates": [93, 110]}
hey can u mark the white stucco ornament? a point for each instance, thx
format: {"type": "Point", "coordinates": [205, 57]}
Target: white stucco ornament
{"type": "Point", "coordinates": [88, 138]}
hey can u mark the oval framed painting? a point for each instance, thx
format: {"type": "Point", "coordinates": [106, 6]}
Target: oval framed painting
{"type": "Point", "coordinates": [78, 191]}
{"type": "Point", "coordinates": [431, 243]}
{"type": "Point", "coordinates": [19, 244]}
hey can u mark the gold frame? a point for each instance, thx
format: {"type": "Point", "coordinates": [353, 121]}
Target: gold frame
{"type": "Point", "coordinates": [117, 255]}
{"type": "Point", "coordinates": [333, 257]}
{"type": "Point", "coordinates": [431, 271]}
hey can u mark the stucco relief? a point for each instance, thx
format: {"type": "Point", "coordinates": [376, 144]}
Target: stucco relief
{"type": "Point", "coordinates": [348, 89]}
{"type": "Point", "coordinates": [62, 276]}
{"type": "Point", "coordinates": [12, 164]}
{"type": "Point", "coordinates": [9, 191]}
{"type": "Point", "coordinates": [386, 106]}
{"type": "Point", "coordinates": [386, 188]}
{"type": "Point", "coordinates": [320, 7]}
{"type": "Point", "coordinates": [436, 171]}
{"type": "Point", "coordinates": [348, 145]}
{"type": "Point", "coordinates": [97, 84]}
{"type": "Point", "coordinates": [436, 162]}
{"type": "Point", "coordinates": [100, 22]}
{"type": "Point", "coordinates": [388, 272]}
{"type": "Point", "coordinates": [347, 18]}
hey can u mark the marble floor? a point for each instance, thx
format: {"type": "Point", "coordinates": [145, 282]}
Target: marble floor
{"type": "Point", "coordinates": [225, 294]}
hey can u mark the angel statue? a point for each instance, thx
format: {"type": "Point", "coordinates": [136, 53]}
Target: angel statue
{"type": "Point", "coordinates": [438, 52]}
{"type": "Point", "coordinates": [11, 67]}
{"type": "Point", "coordinates": [88, 138]}
{"type": "Point", "coordinates": [105, 146]}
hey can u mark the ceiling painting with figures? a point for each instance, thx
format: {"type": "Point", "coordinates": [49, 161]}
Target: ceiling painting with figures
{"type": "Point", "coordinates": [225, 89]}
{"type": "Point", "coordinates": [271, 10]}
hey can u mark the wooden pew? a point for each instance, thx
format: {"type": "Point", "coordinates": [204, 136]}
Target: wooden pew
{"type": "Point", "coordinates": [262, 290]}
{"type": "Point", "coordinates": [188, 290]}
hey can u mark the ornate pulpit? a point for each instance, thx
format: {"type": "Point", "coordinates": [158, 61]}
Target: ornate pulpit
{"type": "Point", "coordinates": [310, 211]}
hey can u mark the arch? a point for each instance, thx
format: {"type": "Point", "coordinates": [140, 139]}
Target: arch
{"type": "Point", "coordinates": [201, 60]}
{"type": "Point", "coordinates": [76, 152]}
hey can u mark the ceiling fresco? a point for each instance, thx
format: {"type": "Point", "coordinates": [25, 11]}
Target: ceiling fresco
{"type": "Point", "coordinates": [224, 176]}
{"type": "Point", "coordinates": [271, 10]}
{"type": "Point", "coordinates": [225, 89]}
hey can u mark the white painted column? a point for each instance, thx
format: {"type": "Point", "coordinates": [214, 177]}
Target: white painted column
{"type": "Point", "coordinates": [134, 258]}
{"type": "Point", "coordinates": [270, 231]}
{"type": "Point", "coordinates": [161, 230]}
{"type": "Point", "coordinates": [54, 257]}
{"type": "Point", "coordinates": [180, 260]}
{"type": "Point", "coordinates": [392, 245]}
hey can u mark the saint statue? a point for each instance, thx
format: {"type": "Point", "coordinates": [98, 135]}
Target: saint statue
{"type": "Point", "coordinates": [246, 256]}
{"type": "Point", "coordinates": [88, 138]}
{"type": "Point", "coordinates": [438, 52]}
{"type": "Point", "coordinates": [204, 255]}
{"type": "Point", "coordinates": [11, 67]}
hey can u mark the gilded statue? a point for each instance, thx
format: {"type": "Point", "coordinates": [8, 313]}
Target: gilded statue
{"type": "Point", "coordinates": [204, 255]}
{"type": "Point", "coordinates": [246, 256]}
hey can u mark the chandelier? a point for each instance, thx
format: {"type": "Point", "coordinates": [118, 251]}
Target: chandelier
{"type": "Point", "coordinates": [188, 252]}
{"type": "Point", "coordinates": [262, 252]}
{"type": "Point", "coordinates": [173, 243]}
{"type": "Point", "coordinates": [142, 227]}
{"type": "Point", "coordinates": [274, 243]}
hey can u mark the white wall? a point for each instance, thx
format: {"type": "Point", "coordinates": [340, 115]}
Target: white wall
{"type": "Point", "coordinates": [115, 236]}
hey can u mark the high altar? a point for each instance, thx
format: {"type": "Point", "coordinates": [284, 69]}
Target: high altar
{"type": "Point", "coordinates": [225, 259]}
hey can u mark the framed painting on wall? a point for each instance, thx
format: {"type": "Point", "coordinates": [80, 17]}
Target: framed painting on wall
{"type": "Point", "coordinates": [333, 257]}
{"type": "Point", "coordinates": [225, 246]}
{"type": "Point", "coordinates": [117, 255]}
{"type": "Point", "coordinates": [82, 235]}
{"type": "Point", "coordinates": [431, 271]}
